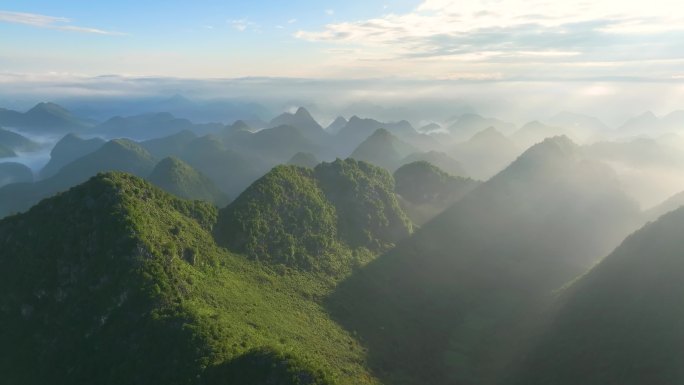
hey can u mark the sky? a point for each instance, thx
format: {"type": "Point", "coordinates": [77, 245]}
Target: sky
{"type": "Point", "coordinates": [469, 39]}
{"type": "Point", "coordinates": [595, 49]}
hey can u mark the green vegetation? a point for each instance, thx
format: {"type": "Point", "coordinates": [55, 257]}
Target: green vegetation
{"type": "Point", "coordinates": [120, 154]}
{"type": "Point", "coordinates": [368, 214]}
{"type": "Point", "coordinates": [67, 150]}
{"type": "Point", "coordinates": [323, 219]}
{"type": "Point", "coordinates": [127, 286]}
{"type": "Point", "coordinates": [283, 217]}
{"type": "Point", "coordinates": [178, 178]}
{"type": "Point", "coordinates": [621, 322]}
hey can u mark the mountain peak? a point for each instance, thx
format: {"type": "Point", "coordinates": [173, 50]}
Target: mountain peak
{"type": "Point", "coordinates": [303, 113]}
{"type": "Point", "coordinates": [48, 107]}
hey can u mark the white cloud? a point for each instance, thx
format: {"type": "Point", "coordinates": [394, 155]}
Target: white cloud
{"type": "Point", "coordinates": [329, 12]}
{"type": "Point", "coordinates": [291, 21]}
{"type": "Point", "coordinates": [516, 31]}
{"type": "Point", "coordinates": [50, 22]}
{"type": "Point", "coordinates": [243, 24]}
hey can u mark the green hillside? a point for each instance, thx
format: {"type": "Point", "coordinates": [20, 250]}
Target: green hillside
{"type": "Point", "coordinates": [119, 154]}
{"type": "Point", "coordinates": [621, 323]}
{"type": "Point", "coordinates": [325, 219]}
{"type": "Point", "coordinates": [126, 286]}
{"type": "Point", "coordinates": [67, 150]}
{"type": "Point", "coordinates": [180, 179]}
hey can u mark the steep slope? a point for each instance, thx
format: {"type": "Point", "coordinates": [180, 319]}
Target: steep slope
{"type": "Point", "coordinates": [383, 149]}
{"type": "Point", "coordinates": [426, 190]}
{"type": "Point", "coordinates": [67, 150]}
{"type": "Point", "coordinates": [315, 220]}
{"type": "Point", "coordinates": [180, 179]}
{"type": "Point", "coordinates": [450, 304]}
{"type": "Point", "coordinates": [486, 153]}
{"type": "Point", "coordinates": [11, 172]}
{"type": "Point", "coordinates": [17, 142]}
{"type": "Point", "coordinates": [621, 322]}
{"type": "Point", "coordinates": [126, 286]}
{"type": "Point", "coordinates": [443, 161]}
{"type": "Point", "coordinates": [119, 154]}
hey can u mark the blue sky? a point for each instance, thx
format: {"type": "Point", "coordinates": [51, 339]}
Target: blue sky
{"type": "Point", "coordinates": [495, 40]}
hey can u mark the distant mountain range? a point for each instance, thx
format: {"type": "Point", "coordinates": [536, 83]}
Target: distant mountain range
{"type": "Point", "coordinates": [44, 118]}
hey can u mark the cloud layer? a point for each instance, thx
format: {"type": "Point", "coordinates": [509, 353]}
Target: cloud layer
{"type": "Point", "coordinates": [518, 37]}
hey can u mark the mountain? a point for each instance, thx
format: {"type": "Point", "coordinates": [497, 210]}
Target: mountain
{"type": "Point", "coordinates": [169, 145]}
{"type": "Point", "coordinates": [17, 142]}
{"type": "Point", "coordinates": [486, 153]}
{"type": "Point", "coordinates": [357, 130]}
{"type": "Point", "coordinates": [336, 125]}
{"type": "Point", "coordinates": [43, 118]}
{"type": "Point", "coordinates": [470, 124]}
{"type": "Point", "coordinates": [232, 170]}
{"type": "Point", "coordinates": [68, 149]}
{"type": "Point", "coordinates": [303, 121]}
{"type": "Point", "coordinates": [127, 286]}
{"type": "Point", "coordinates": [621, 322]}
{"type": "Point", "coordinates": [178, 178]}
{"type": "Point", "coordinates": [439, 159]}
{"type": "Point", "coordinates": [119, 154]}
{"type": "Point", "coordinates": [153, 125]}
{"type": "Point", "coordinates": [276, 145]}
{"type": "Point", "coordinates": [451, 304]}
{"type": "Point", "coordinates": [425, 190]}
{"type": "Point", "coordinates": [303, 159]}
{"type": "Point", "coordinates": [383, 149]}
{"type": "Point", "coordinates": [644, 123]}
{"type": "Point", "coordinates": [316, 218]}
{"type": "Point", "coordinates": [535, 132]}
{"type": "Point", "coordinates": [11, 172]}
{"type": "Point", "coordinates": [6, 152]}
